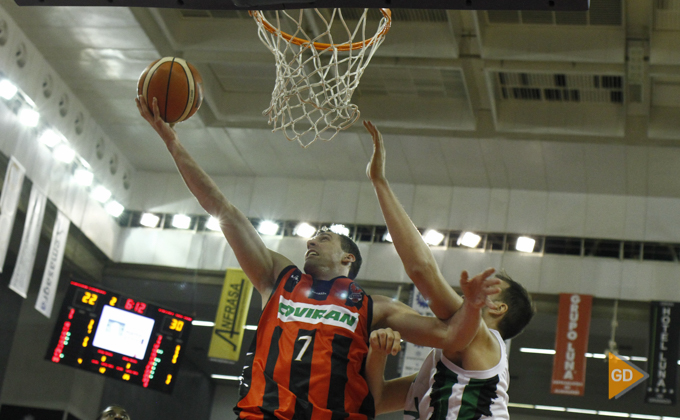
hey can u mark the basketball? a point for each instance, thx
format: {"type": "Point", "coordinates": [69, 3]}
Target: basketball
{"type": "Point", "coordinates": [177, 86]}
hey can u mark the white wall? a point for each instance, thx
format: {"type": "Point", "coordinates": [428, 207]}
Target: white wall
{"type": "Point", "coordinates": [53, 178]}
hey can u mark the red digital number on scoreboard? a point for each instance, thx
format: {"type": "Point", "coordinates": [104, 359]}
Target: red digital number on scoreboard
{"type": "Point", "coordinates": [138, 307]}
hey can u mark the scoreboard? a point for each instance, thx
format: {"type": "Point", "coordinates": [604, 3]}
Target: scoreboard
{"type": "Point", "coordinates": [119, 337]}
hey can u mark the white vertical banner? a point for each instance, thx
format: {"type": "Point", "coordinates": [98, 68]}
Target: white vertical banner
{"type": "Point", "coordinates": [21, 277]}
{"type": "Point", "coordinates": [414, 355]}
{"type": "Point", "coordinates": [11, 191]}
{"type": "Point", "coordinates": [48, 287]}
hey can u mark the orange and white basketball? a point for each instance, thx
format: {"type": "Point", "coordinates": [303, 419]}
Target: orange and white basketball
{"type": "Point", "coordinates": [177, 86]}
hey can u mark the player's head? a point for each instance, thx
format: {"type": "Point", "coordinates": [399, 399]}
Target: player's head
{"type": "Point", "coordinates": [330, 252]}
{"type": "Point", "coordinates": [516, 307]}
{"type": "Point", "coordinates": [114, 412]}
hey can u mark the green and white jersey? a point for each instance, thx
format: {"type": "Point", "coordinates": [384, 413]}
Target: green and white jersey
{"type": "Point", "coordinates": [444, 391]}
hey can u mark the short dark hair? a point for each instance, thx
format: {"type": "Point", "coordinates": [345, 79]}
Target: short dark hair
{"type": "Point", "coordinates": [349, 246]}
{"type": "Point", "coordinates": [520, 307]}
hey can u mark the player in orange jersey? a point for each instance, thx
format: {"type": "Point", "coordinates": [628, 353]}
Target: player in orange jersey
{"type": "Point", "coordinates": [312, 338]}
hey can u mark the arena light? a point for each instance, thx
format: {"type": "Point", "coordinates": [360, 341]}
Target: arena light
{"type": "Point", "coordinates": [267, 227]}
{"type": "Point", "coordinates": [29, 117]}
{"type": "Point", "coordinates": [101, 193]}
{"type": "Point", "coordinates": [63, 153]}
{"type": "Point", "coordinates": [213, 224]}
{"type": "Point", "coordinates": [197, 323]}
{"type": "Point", "coordinates": [432, 237]}
{"type": "Point", "coordinates": [226, 377]}
{"type": "Point", "coordinates": [83, 177]}
{"type": "Point", "coordinates": [49, 138]}
{"type": "Point", "coordinates": [549, 408]}
{"type": "Point", "coordinates": [469, 239]}
{"type": "Point", "coordinates": [387, 237]}
{"type": "Point", "coordinates": [581, 411]}
{"type": "Point", "coordinates": [7, 89]}
{"type": "Point", "coordinates": [525, 244]}
{"type": "Point", "coordinates": [149, 220]}
{"type": "Point", "coordinates": [181, 221]}
{"type": "Point", "coordinates": [114, 208]}
{"type": "Point", "coordinates": [339, 229]}
{"type": "Point", "coordinates": [536, 351]}
{"type": "Point", "coordinates": [304, 230]}
{"type": "Point", "coordinates": [612, 413]}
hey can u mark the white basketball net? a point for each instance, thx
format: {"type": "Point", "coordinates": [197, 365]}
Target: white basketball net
{"type": "Point", "coordinates": [315, 76]}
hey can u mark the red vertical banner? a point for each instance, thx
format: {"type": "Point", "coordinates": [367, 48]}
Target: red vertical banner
{"type": "Point", "coordinates": [571, 344]}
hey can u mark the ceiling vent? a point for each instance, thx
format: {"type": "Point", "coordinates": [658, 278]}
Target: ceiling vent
{"type": "Point", "coordinates": [549, 87]}
{"type": "Point", "coordinates": [667, 15]}
{"type": "Point", "coordinates": [601, 13]}
{"type": "Point", "coordinates": [386, 80]}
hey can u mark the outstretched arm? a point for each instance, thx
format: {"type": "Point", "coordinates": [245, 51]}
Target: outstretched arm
{"type": "Point", "coordinates": [466, 328]}
{"type": "Point", "coordinates": [261, 265]}
{"type": "Point", "coordinates": [388, 395]}
{"type": "Point", "coordinates": [415, 254]}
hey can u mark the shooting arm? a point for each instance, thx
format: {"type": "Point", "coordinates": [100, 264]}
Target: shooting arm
{"type": "Point", "coordinates": [261, 265]}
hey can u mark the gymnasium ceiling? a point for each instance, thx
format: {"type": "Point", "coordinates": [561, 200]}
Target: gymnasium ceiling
{"type": "Point", "coordinates": [556, 101]}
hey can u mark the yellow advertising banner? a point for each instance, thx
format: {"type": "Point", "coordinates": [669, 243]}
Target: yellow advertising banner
{"type": "Point", "coordinates": [230, 319]}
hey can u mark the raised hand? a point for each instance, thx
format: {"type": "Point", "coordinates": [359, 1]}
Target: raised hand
{"type": "Point", "coordinates": [477, 290]}
{"type": "Point", "coordinates": [165, 130]}
{"type": "Point", "coordinates": [376, 167]}
{"type": "Point", "coordinates": [386, 341]}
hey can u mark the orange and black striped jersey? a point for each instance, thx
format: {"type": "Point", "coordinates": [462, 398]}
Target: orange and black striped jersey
{"type": "Point", "coordinates": [308, 357]}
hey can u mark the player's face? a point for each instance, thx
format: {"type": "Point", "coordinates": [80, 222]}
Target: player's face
{"type": "Point", "coordinates": [114, 413]}
{"type": "Point", "coordinates": [324, 254]}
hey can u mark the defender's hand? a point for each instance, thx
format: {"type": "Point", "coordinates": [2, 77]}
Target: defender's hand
{"type": "Point", "coordinates": [478, 289]}
{"type": "Point", "coordinates": [376, 167]}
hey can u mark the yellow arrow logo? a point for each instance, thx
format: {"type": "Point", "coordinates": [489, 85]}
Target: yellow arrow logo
{"type": "Point", "coordinates": [623, 376]}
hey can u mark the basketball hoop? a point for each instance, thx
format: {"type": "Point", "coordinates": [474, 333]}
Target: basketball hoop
{"type": "Point", "coordinates": [315, 80]}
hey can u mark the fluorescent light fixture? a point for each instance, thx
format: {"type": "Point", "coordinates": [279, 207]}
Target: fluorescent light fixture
{"type": "Point", "coordinates": [101, 193]}
{"type": "Point", "coordinates": [7, 89]}
{"type": "Point", "coordinates": [612, 413]}
{"type": "Point", "coordinates": [197, 323]}
{"type": "Point", "coordinates": [114, 208]}
{"type": "Point", "coordinates": [83, 177]}
{"type": "Point", "coordinates": [226, 377]}
{"type": "Point", "coordinates": [520, 405]}
{"type": "Point", "coordinates": [339, 229]}
{"type": "Point", "coordinates": [29, 117]}
{"type": "Point", "coordinates": [549, 408]}
{"type": "Point", "coordinates": [536, 351]}
{"type": "Point", "coordinates": [639, 359]}
{"type": "Point", "coordinates": [49, 138]}
{"type": "Point", "coordinates": [149, 220]}
{"type": "Point", "coordinates": [267, 227]}
{"type": "Point", "coordinates": [525, 244]}
{"type": "Point", "coordinates": [84, 163]}
{"type": "Point", "coordinates": [432, 237]}
{"type": "Point", "coordinates": [387, 237]}
{"type": "Point", "coordinates": [304, 230]}
{"type": "Point", "coordinates": [63, 153]}
{"type": "Point", "coordinates": [213, 224]}
{"type": "Point", "coordinates": [644, 416]}
{"type": "Point", "coordinates": [181, 221]}
{"type": "Point", "coordinates": [469, 239]}
{"type": "Point", "coordinates": [581, 411]}
{"type": "Point", "coordinates": [250, 327]}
